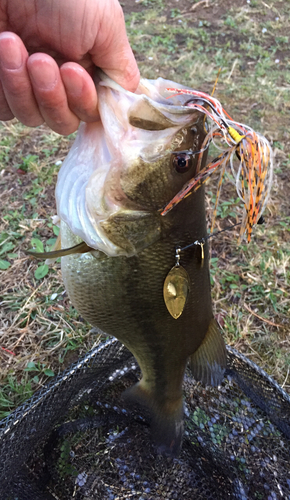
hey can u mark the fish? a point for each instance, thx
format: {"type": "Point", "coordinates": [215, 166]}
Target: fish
{"type": "Point", "coordinates": [117, 178]}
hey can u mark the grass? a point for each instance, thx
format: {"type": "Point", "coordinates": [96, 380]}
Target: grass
{"type": "Point", "coordinates": [40, 332]}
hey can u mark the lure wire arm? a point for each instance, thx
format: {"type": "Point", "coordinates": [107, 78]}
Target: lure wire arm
{"type": "Point", "coordinates": [253, 176]}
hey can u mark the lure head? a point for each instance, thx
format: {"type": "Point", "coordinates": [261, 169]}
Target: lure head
{"type": "Point", "coordinates": [123, 170]}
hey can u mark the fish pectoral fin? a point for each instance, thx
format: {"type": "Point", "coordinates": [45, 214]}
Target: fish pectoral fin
{"type": "Point", "coordinates": [208, 363]}
{"type": "Point", "coordinates": [132, 231]}
{"type": "Point", "coordinates": [166, 418]}
{"type": "Point", "coordinates": [54, 254]}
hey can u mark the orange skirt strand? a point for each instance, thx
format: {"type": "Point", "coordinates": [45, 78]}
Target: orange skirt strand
{"type": "Point", "coordinates": [248, 154]}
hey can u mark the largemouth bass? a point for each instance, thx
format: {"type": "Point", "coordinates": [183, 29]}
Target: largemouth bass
{"type": "Point", "coordinates": [119, 175]}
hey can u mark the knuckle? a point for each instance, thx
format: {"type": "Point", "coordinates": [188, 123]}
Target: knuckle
{"type": "Point", "coordinates": [16, 88]}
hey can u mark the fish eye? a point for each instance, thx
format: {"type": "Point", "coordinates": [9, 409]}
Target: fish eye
{"type": "Point", "coordinates": [182, 162]}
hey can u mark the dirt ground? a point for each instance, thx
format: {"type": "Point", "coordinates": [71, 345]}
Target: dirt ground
{"type": "Point", "coordinates": [186, 41]}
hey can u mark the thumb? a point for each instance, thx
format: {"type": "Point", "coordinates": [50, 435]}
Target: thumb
{"type": "Point", "coordinates": [112, 52]}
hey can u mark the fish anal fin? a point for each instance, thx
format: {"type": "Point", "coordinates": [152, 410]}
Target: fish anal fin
{"type": "Point", "coordinates": [208, 362]}
{"type": "Point", "coordinates": [166, 418]}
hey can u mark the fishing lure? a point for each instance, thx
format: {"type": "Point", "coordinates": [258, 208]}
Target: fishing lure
{"type": "Point", "coordinates": [176, 288]}
{"type": "Point", "coordinates": [177, 282]}
{"type": "Point", "coordinates": [252, 173]}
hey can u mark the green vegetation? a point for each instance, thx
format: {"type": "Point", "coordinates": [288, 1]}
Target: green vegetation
{"type": "Point", "coordinates": [13, 392]}
{"type": "Point", "coordinates": [40, 332]}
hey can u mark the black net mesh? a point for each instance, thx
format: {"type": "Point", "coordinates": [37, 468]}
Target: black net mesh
{"type": "Point", "coordinates": [74, 440]}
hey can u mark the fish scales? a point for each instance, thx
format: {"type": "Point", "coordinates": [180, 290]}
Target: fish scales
{"type": "Point", "coordinates": [123, 296]}
{"type": "Point", "coordinates": [117, 178]}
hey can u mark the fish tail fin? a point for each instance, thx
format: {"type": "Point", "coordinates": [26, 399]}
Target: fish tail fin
{"type": "Point", "coordinates": [166, 418]}
{"type": "Point", "coordinates": [208, 362]}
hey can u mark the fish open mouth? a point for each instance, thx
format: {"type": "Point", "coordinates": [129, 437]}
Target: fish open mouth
{"type": "Point", "coordinates": [102, 179]}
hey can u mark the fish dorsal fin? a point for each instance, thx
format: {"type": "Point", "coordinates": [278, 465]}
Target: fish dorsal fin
{"type": "Point", "coordinates": [208, 363]}
{"type": "Point", "coordinates": [143, 114]}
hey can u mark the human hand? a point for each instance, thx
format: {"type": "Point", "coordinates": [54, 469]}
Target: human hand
{"type": "Point", "coordinates": [45, 68]}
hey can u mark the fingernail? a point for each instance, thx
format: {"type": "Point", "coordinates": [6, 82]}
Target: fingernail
{"type": "Point", "coordinates": [43, 75]}
{"type": "Point", "coordinates": [10, 54]}
{"type": "Point", "coordinates": [74, 86]}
